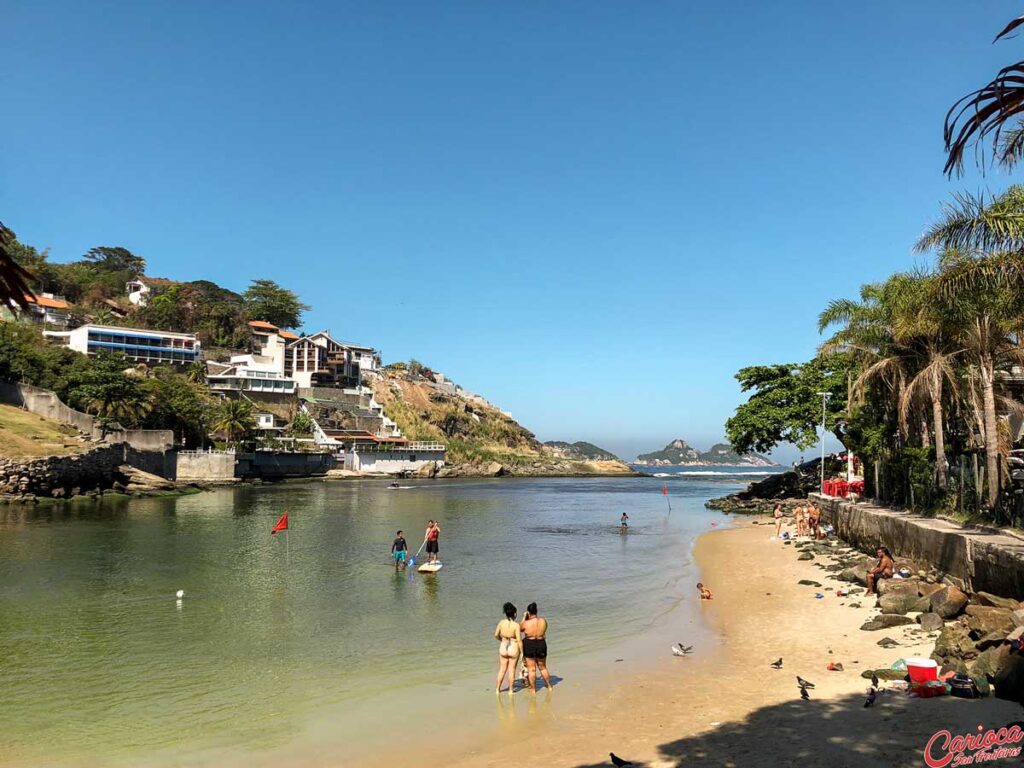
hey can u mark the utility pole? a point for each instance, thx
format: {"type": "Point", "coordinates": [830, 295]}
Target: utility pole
{"type": "Point", "coordinates": [824, 400]}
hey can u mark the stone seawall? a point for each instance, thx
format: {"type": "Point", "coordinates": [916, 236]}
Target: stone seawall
{"type": "Point", "coordinates": [63, 476]}
{"type": "Point", "coordinates": [976, 559]}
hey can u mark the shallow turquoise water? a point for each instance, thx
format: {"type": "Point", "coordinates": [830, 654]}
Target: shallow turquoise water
{"type": "Point", "coordinates": [324, 644]}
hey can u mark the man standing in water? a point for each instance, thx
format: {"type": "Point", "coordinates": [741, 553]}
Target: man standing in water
{"type": "Point", "coordinates": [431, 540]}
{"type": "Point", "coordinates": [398, 548]}
{"type": "Point", "coordinates": [623, 523]}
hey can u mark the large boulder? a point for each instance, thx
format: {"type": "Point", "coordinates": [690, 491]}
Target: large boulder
{"type": "Point", "coordinates": [494, 469]}
{"type": "Point", "coordinates": [987, 622]}
{"type": "Point", "coordinates": [926, 589]}
{"type": "Point", "coordinates": [1018, 617]}
{"type": "Point", "coordinates": [954, 642]}
{"type": "Point", "coordinates": [137, 481]}
{"type": "Point", "coordinates": [948, 602]}
{"type": "Point", "coordinates": [995, 601]}
{"type": "Point", "coordinates": [930, 622]}
{"type": "Point", "coordinates": [857, 573]}
{"type": "Point", "coordinates": [884, 621]}
{"type": "Point", "coordinates": [1008, 677]}
{"type": "Point", "coordinates": [902, 602]}
{"type": "Point", "coordinates": [900, 586]}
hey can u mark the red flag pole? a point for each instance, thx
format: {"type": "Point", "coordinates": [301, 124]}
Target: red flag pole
{"type": "Point", "coordinates": [664, 491]}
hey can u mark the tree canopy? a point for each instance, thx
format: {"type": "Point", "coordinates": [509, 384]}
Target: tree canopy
{"type": "Point", "coordinates": [266, 300]}
{"type": "Point", "coordinates": [785, 406]}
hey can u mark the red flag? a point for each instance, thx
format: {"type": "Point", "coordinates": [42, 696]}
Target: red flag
{"type": "Point", "coordinates": [664, 490]}
{"type": "Point", "coordinates": [282, 524]}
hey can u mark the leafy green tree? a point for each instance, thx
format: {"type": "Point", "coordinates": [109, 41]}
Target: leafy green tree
{"type": "Point", "coordinates": [785, 406]}
{"type": "Point", "coordinates": [266, 300]}
{"type": "Point", "coordinates": [105, 390]}
{"type": "Point", "coordinates": [196, 372]}
{"type": "Point", "coordinates": [180, 405]}
{"type": "Point", "coordinates": [302, 424]}
{"type": "Point", "coordinates": [234, 418]}
{"type": "Point", "coordinates": [116, 259]}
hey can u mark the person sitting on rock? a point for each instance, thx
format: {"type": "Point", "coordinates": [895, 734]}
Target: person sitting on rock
{"type": "Point", "coordinates": [883, 569]}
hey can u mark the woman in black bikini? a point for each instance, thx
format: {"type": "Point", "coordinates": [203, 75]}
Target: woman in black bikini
{"type": "Point", "coordinates": [535, 646]}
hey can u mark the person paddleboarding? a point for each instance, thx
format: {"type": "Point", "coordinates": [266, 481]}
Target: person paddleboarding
{"type": "Point", "coordinates": [431, 539]}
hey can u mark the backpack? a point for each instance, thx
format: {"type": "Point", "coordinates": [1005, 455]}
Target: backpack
{"type": "Point", "coordinates": [963, 687]}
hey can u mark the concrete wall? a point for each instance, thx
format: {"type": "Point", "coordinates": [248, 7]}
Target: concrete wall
{"type": "Point", "coordinates": [393, 462]}
{"type": "Point", "coordinates": [979, 560]}
{"type": "Point", "coordinates": [66, 476]}
{"type": "Point", "coordinates": [43, 402]}
{"type": "Point", "coordinates": [208, 467]}
{"type": "Point", "coordinates": [275, 465]}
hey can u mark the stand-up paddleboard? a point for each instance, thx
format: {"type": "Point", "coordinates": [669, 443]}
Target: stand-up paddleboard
{"type": "Point", "coordinates": [430, 567]}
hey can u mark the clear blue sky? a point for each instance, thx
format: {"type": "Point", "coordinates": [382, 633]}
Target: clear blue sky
{"type": "Point", "coordinates": [592, 213]}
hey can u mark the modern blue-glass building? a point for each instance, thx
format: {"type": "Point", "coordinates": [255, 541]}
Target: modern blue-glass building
{"type": "Point", "coordinates": [144, 346]}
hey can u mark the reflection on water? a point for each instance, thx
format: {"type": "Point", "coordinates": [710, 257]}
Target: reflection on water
{"type": "Point", "coordinates": [319, 640]}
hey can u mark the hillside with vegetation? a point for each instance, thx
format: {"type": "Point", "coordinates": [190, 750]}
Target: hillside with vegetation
{"type": "Point", "coordinates": [480, 438]}
{"type": "Point", "coordinates": [680, 453]}
{"type": "Point", "coordinates": [25, 435]}
{"type": "Point", "coordinates": [579, 451]}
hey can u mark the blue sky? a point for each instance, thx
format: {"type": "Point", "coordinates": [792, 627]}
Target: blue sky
{"type": "Point", "coordinates": [592, 213]}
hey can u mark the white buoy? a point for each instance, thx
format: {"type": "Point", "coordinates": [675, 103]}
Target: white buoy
{"type": "Point", "coordinates": [180, 593]}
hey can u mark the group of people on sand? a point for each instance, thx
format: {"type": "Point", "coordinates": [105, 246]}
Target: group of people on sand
{"type": "Point", "coordinates": [431, 540]}
{"type": "Point", "coordinates": [526, 639]}
{"type": "Point", "coordinates": [807, 518]}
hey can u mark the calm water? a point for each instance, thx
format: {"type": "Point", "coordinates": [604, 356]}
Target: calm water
{"type": "Point", "coordinates": [321, 646]}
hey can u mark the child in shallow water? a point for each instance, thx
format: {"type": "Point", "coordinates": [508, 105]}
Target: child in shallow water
{"type": "Point", "coordinates": [705, 593]}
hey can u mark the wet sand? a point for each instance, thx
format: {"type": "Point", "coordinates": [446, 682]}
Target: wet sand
{"type": "Point", "coordinates": [726, 706]}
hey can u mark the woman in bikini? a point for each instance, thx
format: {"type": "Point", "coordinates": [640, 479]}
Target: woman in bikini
{"type": "Point", "coordinates": [509, 639]}
{"type": "Point", "coordinates": [535, 646]}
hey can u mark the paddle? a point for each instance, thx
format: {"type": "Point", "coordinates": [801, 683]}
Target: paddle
{"type": "Point", "coordinates": [412, 560]}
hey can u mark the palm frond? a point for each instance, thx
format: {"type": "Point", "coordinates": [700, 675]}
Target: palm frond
{"type": "Point", "coordinates": [980, 115]}
{"type": "Point", "coordinates": [14, 279]}
{"type": "Point", "coordinates": [973, 222]}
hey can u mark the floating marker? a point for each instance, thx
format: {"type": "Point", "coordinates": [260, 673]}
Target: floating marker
{"type": "Point", "coordinates": [180, 594]}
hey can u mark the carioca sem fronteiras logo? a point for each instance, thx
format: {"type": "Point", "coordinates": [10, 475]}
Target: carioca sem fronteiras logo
{"type": "Point", "coordinates": [944, 750]}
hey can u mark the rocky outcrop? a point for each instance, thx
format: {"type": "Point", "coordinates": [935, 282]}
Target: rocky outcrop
{"type": "Point", "coordinates": [63, 477]}
{"type": "Point", "coordinates": [536, 468]}
{"type": "Point", "coordinates": [792, 486]}
{"type": "Point", "coordinates": [948, 602]}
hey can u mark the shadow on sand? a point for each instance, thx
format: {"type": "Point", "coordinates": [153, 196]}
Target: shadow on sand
{"type": "Point", "coordinates": [837, 734]}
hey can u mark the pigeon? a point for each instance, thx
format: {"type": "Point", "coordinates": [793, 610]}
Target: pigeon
{"type": "Point", "coordinates": [618, 761]}
{"type": "Point", "coordinates": [804, 683]}
{"type": "Point", "coordinates": [871, 698]}
{"type": "Point", "coordinates": [777, 664]}
{"type": "Point", "coordinates": [677, 651]}
{"type": "Point", "coordinates": [874, 680]}
{"type": "Point", "coordinates": [684, 648]}
{"type": "Point", "coordinates": [804, 694]}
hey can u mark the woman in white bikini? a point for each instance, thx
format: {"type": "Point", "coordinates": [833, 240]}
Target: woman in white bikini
{"type": "Point", "coordinates": [509, 638]}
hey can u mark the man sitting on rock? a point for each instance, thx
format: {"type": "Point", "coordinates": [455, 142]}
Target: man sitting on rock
{"type": "Point", "coordinates": [883, 569]}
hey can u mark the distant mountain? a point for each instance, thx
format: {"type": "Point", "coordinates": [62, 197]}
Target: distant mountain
{"type": "Point", "coordinates": [580, 451]}
{"type": "Point", "coordinates": [680, 453]}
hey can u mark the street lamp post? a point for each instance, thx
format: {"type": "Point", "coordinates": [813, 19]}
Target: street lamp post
{"type": "Point", "coordinates": [824, 399]}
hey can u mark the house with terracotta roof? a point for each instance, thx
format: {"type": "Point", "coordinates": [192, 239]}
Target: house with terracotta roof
{"type": "Point", "coordinates": [43, 309]}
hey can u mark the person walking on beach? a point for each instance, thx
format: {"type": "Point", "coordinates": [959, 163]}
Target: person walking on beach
{"type": "Point", "coordinates": [623, 523]}
{"type": "Point", "coordinates": [430, 538]}
{"type": "Point", "coordinates": [535, 646]}
{"type": "Point", "coordinates": [398, 550]}
{"type": "Point", "coordinates": [883, 569]}
{"type": "Point", "coordinates": [778, 521]}
{"type": "Point", "coordinates": [509, 638]}
{"type": "Point", "coordinates": [814, 521]}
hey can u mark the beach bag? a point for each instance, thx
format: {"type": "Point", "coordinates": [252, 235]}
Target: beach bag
{"type": "Point", "coordinates": [963, 687]}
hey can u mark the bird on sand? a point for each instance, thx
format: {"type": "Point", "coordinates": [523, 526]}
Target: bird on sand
{"type": "Point", "coordinates": [618, 761]}
{"type": "Point", "coordinates": [871, 698]}
{"type": "Point", "coordinates": [684, 648]}
{"type": "Point", "coordinates": [804, 683]}
{"type": "Point", "coordinates": [804, 694]}
{"type": "Point", "coordinates": [874, 680]}
{"type": "Point", "coordinates": [677, 651]}
{"type": "Point", "coordinates": [777, 664]}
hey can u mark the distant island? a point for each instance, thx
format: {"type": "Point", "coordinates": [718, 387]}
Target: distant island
{"type": "Point", "coordinates": [580, 451]}
{"type": "Point", "coordinates": [679, 453]}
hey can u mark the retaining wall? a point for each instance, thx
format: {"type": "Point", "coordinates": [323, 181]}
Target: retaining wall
{"type": "Point", "coordinates": [43, 402]}
{"type": "Point", "coordinates": [65, 476]}
{"type": "Point", "coordinates": [205, 467]}
{"type": "Point", "coordinates": [978, 559]}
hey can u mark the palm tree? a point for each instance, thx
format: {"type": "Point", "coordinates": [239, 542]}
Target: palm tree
{"type": "Point", "coordinates": [982, 296]}
{"type": "Point", "coordinates": [196, 372]}
{"type": "Point", "coordinates": [986, 113]}
{"type": "Point", "coordinates": [974, 223]}
{"type": "Point", "coordinates": [14, 279]}
{"type": "Point", "coordinates": [234, 418]}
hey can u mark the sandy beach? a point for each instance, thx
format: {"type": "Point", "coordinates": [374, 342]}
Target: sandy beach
{"type": "Point", "coordinates": [728, 707]}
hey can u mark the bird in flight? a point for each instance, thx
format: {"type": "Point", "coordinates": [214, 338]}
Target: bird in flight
{"type": "Point", "coordinates": [618, 761]}
{"type": "Point", "coordinates": [804, 683]}
{"type": "Point", "coordinates": [777, 664]}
